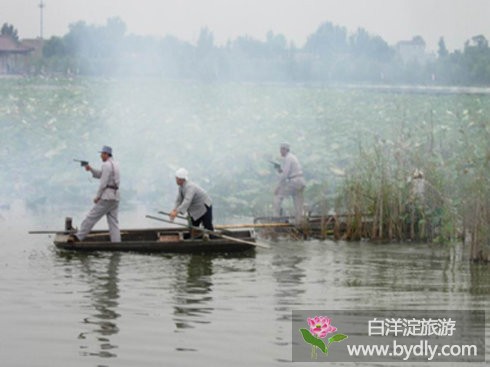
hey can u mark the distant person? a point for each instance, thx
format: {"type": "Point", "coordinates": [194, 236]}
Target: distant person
{"type": "Point", "coordinates": [417, 204]}
{"type": "Point", "coordinates": [418, 187]}
{"type": "Point", "coordinates": [194, 200]}
{"type": "Point", "coordinates": [291, 183]}
{"type": "Point", "coordinates": [425, 206]}
{"type": "Point", "coordinates": [106, 200]}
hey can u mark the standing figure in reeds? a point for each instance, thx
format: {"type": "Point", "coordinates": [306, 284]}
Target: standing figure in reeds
{"type": "Point", "coordinates": [417, 205]}
{"type": "Point", "coordinates": [425, 205]}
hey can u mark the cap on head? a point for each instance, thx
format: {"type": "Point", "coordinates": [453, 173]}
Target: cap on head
{"type": "Point", "coordinates": [182, 174]}
{"type": "Point", "coordinates": [106, 149]}
{"type": "Point", "coordinates": [285, 146]}
{"type": "Point", "coordinates": [418, 173]}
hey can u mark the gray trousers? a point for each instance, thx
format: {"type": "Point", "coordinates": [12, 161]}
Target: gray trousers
{"type": "Point", "coordinates": [293, 188]}
{"type": "Point", "coordinates": [103, 207]}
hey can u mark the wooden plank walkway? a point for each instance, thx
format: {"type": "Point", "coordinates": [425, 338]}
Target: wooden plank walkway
{"type": "Point", "coordinates": [334, 226]}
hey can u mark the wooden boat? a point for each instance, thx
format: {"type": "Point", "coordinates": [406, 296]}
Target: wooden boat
{"type": "Point", "coordinates": [172, 240]}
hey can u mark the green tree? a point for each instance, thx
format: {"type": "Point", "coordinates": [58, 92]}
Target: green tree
{"type": "Point", "coordinates": [328, 40]}
{"type": "Point", "coordinates": [9, 30]}
{"type": "Point", "coordinates": [418, 40]}
{"type": "Point", "coordinates": [476, 60]}
{"type": "Point", "coordinates": [442, 49]}
{"type": "Point", "coordinates": [205, 43]}
{"type": "Point", "coordinates": [111, 36]}
{"type": "Point", "coordinates": [54, 47]}
{"type": "Point", "coordinates": [206, 57]}
{"type": "Point", "coordinates": [479, 42]}
{"type": "Point", "coordinates": [361, 43]}
{"type": "Point", "coordinates": [276, 44]}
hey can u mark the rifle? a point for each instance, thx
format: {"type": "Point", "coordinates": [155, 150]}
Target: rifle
{"type": "Point", "coordinates": [82, 163]}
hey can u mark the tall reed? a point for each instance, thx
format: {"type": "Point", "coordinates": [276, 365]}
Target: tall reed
{"type": "Point", "coordinates": [377, 196]}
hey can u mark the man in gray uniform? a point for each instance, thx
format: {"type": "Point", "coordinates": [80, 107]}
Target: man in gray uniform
{"type": "Point", "coordinates": [291, 183]}
{"type": "Point", "coordinates": [192, 199]}
{"type": "Point", "coordinates": [106, 200]}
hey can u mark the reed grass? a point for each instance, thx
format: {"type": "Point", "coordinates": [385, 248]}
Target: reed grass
{"type": "Point", "coordinates": [376, 193]}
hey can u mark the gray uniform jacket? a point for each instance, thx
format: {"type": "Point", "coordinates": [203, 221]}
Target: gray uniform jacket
{"type": "Point", "coordinates": [291, 170]}
{"type": "Point", "coordinates": [192, 199]}
{"type": "Point", "coordinates": [109, 180]}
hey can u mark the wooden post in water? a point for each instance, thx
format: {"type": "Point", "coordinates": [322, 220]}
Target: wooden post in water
{"type": "Point", "coordinates": [68, 224]}
{"type": "Point", "coordinates": [479, 237]}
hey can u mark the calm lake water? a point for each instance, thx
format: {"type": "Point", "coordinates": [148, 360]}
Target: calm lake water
{"type": "Point", "coordinates": [126, 309]}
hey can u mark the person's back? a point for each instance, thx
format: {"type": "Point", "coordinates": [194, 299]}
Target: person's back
{"type": "Point", "coordinates": [191, 198]}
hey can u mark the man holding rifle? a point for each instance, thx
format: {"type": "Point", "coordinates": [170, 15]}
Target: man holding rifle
{"type": "Point", "coordinates": [106, 200]}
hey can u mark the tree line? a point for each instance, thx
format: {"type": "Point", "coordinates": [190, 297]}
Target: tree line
{"type": "Point", "coordinates": [330, 54]}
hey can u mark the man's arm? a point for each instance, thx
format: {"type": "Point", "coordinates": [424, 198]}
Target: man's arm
{"type": "Point", "coordinates": [178, 201]}
{"type": "Point", "coordinates": [95, 172]}
{"type": "Point", "coordinates": [186, 201]}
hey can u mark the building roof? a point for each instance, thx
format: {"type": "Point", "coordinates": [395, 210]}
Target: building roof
{"type": "Point", "coordinates": [8, 44]}
{"type": "Point", "coordinates": [416, 41]}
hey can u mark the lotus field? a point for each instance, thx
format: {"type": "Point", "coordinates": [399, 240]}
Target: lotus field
{"type": "Point", "coordinates": [358, 147]}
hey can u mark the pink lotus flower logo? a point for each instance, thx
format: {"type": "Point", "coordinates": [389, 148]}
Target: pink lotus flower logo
{"type": "Point", "coordinates": [320, 327]}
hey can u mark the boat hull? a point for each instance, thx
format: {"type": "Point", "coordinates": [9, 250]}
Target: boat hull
{"type": "Point", "coordinates": [158, 240]}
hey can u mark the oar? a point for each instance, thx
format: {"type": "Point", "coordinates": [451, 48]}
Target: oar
{"type": "Point", "coordinates": [210, 232]}
{"type": "Point", "coordinates": [225, 227]}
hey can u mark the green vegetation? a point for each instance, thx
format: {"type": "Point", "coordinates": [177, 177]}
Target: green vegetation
{"type": "Point", "coordinates": [446, 137]}
{"type": "Point", "coordinates": [10, 31]}
{"type": "Point", "coordinates": [359, 147]}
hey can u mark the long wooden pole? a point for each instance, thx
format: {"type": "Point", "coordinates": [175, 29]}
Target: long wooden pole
{"type": "Point", "coordinates": [63, 231]}
{"type": "Point", "coordinates": [73, 231]}
{"type": "Point", "coordinates": [240, 225]}
{"type": "Point", "coordinates": [257, 225]}
{"type": "Point", "coordinates": [214, 233]}
{"type": "Point", "coordinates": [178, 216]}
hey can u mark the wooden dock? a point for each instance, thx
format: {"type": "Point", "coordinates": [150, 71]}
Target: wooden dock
{"type": "Point", "coordinates": [343, 226]}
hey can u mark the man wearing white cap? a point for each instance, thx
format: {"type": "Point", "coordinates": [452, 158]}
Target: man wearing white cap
{"type": "Point", "coordinates": [291, 183]}
{"type": "Point", "coordinates": [194, 200]}
{"type": "Point", "coordinates": [106, 200]}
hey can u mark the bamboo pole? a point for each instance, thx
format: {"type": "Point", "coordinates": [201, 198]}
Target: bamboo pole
{"type": "Point", "coordinates": [242, 225]}
{"type": "Point", "coordinates": [258, 225]}
{"type": "Point", "coordinates": [218, 234]}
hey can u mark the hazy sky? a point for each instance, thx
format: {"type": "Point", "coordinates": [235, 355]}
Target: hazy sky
{"type": "Point", "coordinates": [394, 20]}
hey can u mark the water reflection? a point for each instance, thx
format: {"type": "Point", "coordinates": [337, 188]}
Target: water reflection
{"type": "Point", "coordinates": [480, 280]}
{"type": "Point", "coordinates": [289, 275]}
{"type": "Point", "coordinates": [192, 285]}
{"type": "Point", "coordinates": [115, 308]}
{"type": "Point", "coordinates": [101, 275]}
